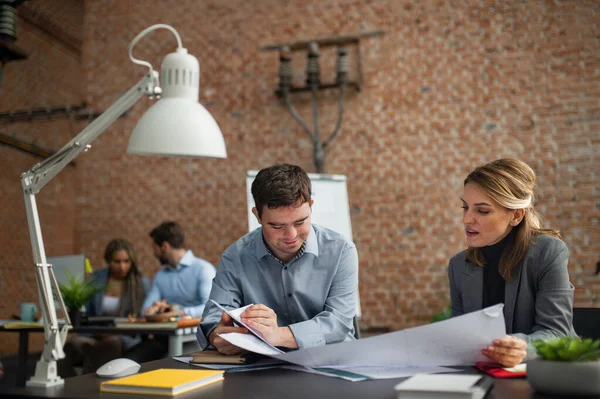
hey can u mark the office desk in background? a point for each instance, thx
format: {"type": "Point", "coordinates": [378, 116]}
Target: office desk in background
{"type": "Point", "coordinates": [274, 383]}
{"type": "Point", "coordinates": [177, 337]}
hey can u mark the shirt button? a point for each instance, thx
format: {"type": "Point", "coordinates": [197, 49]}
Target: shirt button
{"type": "Point", "coordinates": [285, 268]}
{"type": "Point", "coordinates": [289, 295]}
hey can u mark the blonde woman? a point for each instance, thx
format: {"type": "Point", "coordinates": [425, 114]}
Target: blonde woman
{"type": "Point", "coordinates": [511, 259]}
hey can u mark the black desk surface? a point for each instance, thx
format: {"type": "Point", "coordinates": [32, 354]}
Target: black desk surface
{"type": "Point", "coordinates": [275, 383]}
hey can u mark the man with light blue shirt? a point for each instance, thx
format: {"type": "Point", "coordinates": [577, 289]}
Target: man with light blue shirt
{"type": "Point", "coordinates": [301, 278]}
{"type": "Point", "coordinates": [184, 279]}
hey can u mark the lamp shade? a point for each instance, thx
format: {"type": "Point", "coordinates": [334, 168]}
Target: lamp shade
{"type": "Point", "coordinates": [178, 125]}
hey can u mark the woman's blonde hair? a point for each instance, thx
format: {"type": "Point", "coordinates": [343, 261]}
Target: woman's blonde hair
{"type": "Point", "coordinates": [510, 182]}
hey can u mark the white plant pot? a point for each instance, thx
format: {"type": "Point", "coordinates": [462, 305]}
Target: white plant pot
{"type": "Point", "coordinates": [564, 378]}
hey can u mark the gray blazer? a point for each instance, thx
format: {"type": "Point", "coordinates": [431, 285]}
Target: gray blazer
{"type": "Point", "coordinates": [538, 299]}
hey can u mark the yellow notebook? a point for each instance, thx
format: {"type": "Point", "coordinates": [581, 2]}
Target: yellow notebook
{"type": "Point", "coordinates": [166, 382]}
{"type": "Point", "coordinates": [23, 324]}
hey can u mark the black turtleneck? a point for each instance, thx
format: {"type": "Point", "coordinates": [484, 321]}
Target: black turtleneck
{"type": "Point", "coordinates": [493, 282]}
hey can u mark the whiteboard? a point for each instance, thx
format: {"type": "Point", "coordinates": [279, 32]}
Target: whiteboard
{"type": "Point", "coordinates": [330, 209]}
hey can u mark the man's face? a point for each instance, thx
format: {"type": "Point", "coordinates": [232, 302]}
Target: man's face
{"type": "Point", "coordinates": [160, 253]}
{"type": "Point", "coordinates": [285, 229]}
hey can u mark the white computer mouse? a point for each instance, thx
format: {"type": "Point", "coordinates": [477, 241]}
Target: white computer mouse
{"type": "Point", "coordinates": [118, 368]}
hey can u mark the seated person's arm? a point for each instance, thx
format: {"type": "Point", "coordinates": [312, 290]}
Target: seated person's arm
{"type": "Point", "coordinates": [153, 299]}
{"type": "Point", "coordinates": [554, 295]}
{"type": "Point", "coordinates": [226, 292]}
{"type": "Point", "coordinates": [332, 325]}
{"type": "Point", "coordinates": [553, 308]}
{"type": "Point", "coordinates": [204, 277]}
{"type": "Point", "coordinates": [264, 319]}
{"type": "Point", "coordinates": [455, 292]}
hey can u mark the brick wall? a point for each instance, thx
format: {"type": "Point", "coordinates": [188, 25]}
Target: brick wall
{"type": "Point", "coordinates": [50, 77]}
{"type": "Point", "coordinates": [448, 87]}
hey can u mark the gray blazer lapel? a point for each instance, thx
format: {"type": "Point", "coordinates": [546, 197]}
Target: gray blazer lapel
{"type": "Point", "coordinates": [511, 289]}
{"type": "Point", "coordinates": [472, 287]}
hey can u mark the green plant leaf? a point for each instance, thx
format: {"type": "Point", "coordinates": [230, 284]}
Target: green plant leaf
{"type": "Point", "coordinates": [568, 349]}
{"type": "Point", "coordinates": [443, 315]}
{"type": "Point", "coordinates": [77, 292]}
{"type": "Point", "coordinates": [592, 355]}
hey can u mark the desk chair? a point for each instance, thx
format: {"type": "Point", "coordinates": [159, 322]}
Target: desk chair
{"type": "Point", "coordinates": [586, 322]}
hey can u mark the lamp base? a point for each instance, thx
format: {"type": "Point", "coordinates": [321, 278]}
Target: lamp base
{"type": "Point", "coordinates": [45, 375]}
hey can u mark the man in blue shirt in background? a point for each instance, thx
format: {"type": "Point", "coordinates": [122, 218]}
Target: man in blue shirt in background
{"type": "Point", "coordinates": [184, 280]}
{"type": "Point", "coordinates": [183, 283]}
{"type": "Point", "coordinates": [302, 278]}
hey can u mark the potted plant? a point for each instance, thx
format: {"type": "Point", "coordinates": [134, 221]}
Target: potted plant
{"type": "Point", "coordinates": [443, 315]}
{"type": "Point", "coordinates": [567, 366]}
{"type": "Point", "coordinates": [76, 294]}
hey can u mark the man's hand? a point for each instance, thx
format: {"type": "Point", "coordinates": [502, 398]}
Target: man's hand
{"type": "Point", "coordinates": [507, 351]}
{"type": "Point", "coordinates": [156, 307]}
{"type": "Point", "coordinates": [264, 320]}
{"type": "Point", "coordinates": [225, 326]}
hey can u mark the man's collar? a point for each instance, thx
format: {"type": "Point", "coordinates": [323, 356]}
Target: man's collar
{"type": "Point", "coordinates": [311, 242]}
{"type": "Point", "coordinates": [261, 246]}
{"type": "Point", "coordinates": [310, 246]}
{"type": "Point", "coordinates": [186, 260]}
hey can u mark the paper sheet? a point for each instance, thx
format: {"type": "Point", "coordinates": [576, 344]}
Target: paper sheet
{"type": "Point", "coordinates": [328, 372]}
{"type": "Point", "coordinates": [262, 364]}
{"type": "Point", "coordinates": [236, 314]}
{"type": "Point", "coordinates": [379, 373]}
{"type": "Point", "coordinates": [453, 342]}
{"type": "Point", "coordinates": [251, 343]}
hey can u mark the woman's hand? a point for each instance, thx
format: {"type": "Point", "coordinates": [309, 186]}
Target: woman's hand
{"type": "Point", "coordinates": [507, 351]}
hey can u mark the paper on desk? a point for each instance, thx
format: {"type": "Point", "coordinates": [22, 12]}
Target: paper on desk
{"type": "Point", "coordinates": [380, 373]}
{"type": "Point", "coordinates": [236, 314]}
{"type": "Point", "coordinates": [328, 372]}
{"type": "Point", "coordinates": [370, 373]}
{"type": "Point", "coordinates": [262, 364]}
{"type": "Point", "coordinates": [251, 343]}
{"type": "Point", "coordinates": [453, 342]}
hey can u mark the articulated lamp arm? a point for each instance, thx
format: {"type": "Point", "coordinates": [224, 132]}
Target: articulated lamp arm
{"type": "Point", "coordinates": [32, 182]}
{"type": "Point", "coordinates": [37, 177]}
{"type": "Point", "coordinates": [175, 126]}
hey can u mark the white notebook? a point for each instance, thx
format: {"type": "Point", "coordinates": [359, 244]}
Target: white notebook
{"type": "Point", "coordinates": [450, 386]}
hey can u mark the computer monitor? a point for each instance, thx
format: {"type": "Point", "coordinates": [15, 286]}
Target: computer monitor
{"type": "Point", "coordinates": [68, 265]}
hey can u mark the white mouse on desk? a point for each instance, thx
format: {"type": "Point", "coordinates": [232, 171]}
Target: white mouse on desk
{"type": "Point", "coordinates": [118, 368]}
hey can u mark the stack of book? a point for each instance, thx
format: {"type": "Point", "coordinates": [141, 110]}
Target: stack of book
{"type": "Point", "coordinates": [444, 386]}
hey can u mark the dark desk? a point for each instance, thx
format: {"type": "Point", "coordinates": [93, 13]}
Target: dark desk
{"type": "Point", "coordinates": [176, 339]}
{"type": "Point", "coordinates": [274, 383]}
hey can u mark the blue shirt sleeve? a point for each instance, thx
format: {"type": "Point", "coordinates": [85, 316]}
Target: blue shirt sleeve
{"type": "Point", "coordinates": [205, 278]}
{"type": "Point", "coordinates": [335, 322]}
{"type": "Point", "coordinates": [153, 296]}
{"type": "Point", "coordinates": [226, 292]}
{"type": "Point", "coordinates": [145, 292]}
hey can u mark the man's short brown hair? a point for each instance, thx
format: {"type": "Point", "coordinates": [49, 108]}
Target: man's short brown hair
{"type": "Point", "coordinates": [170, 232]}
{"type": "Point", "coordinates": [279, 186]}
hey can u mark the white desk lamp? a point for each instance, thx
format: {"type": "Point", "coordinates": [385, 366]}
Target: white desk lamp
{"type": "Point", "coordinates": [177, 125]}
